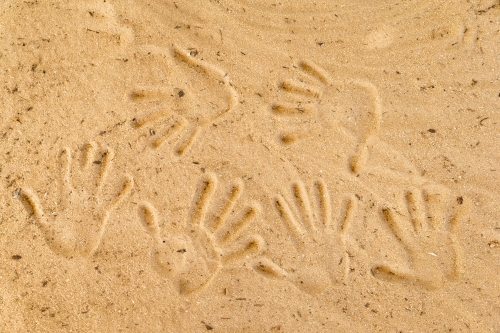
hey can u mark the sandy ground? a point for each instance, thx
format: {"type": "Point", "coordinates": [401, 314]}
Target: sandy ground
{"type": "Point", "coordinates": [250, 166]}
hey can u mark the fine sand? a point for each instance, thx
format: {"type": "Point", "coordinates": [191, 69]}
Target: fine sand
{"type": "Point", "coordinates": [250, 166]}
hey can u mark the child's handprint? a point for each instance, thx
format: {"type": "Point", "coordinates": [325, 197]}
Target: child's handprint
{"type": "Point", "coordinates": [313, 95]}
{"type": "Point", "coordinates": [427, 231]}
{"type": "Point", "coordinates": [76, 225]}
{"type": "Point", "coordinates": [191, 257]}
{"type": "Point", "coordinates": [198, 94]}
{"type": "Point", "coordinates": [319, 238]}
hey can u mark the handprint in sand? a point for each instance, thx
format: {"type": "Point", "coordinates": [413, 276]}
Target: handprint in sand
{"type": "Point", "coordinates": [319, 236]}
{"type": "Point", "coordinates": [213, 237]}
{"type": "Point", "coordinates": [195, 95]}
{"type": "Point", "coordinates": [74, 221]}
{"type": "Point", "coordinates": [312, 102]}
{"type": "Point", "coordinates": [426, 227]}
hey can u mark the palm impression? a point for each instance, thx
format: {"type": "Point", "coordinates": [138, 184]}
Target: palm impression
{"type": "Point", "coordinates": [319, 237]}
{"type": "Point", "coordinates": [196, 95]}
{"type": "Point", "coordinates": [426, 227]}
{"type": "Point", "coordinates": [312, 102]}
{"type": "Point", "coordinates": [213, 237]}
{"type": "Point", "coordinates": [75, 226]}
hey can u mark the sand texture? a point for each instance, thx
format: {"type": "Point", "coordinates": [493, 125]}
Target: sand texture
{"type": "Point", "coordinates": [250, 166]}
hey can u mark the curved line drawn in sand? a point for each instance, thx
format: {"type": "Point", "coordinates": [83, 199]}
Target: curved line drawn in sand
{"type": "Point", "coordinates": [212, 238]}
{"type": "Point", "coordinates": [464, 32]}
{"type": "Point", "coordinates": [76, 225]}
{"type": "Point", "coordinates": [206, 96]}
{"type": "Point", "coordinates": [313, 96]}
{"type": "Point", "coordinates": [426, 228]}
{"type": "Point", "coordinates": [404, 26]}
{"type": "Point", "coordinates": [319, 237]}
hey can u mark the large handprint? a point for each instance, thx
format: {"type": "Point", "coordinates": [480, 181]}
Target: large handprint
{"type": "Point", "coordinates": [74, 227]}
{"type": "Point", "coordinates": [319, 238]}
{"type": "Point", "coordinates": [191, 257]}
{"type": "Point", "coordinates": [427, 232]}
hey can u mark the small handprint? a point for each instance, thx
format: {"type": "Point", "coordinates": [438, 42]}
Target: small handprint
{"type": "Point", "coordinates": [76, 225]}
{"type": "Point", "coordinates": [319, 238]}
{"type": "Point", "coordinates": [427, 232]}
{"type": "Point", "coordinates": [191, 257]}
{"type": "Point", "coordinates": [314, 95]}
{"type": "Point", "coordinates": [199, 93]}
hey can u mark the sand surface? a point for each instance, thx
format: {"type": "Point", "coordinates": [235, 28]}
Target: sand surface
{"type": "Point", "coordinates": [250, 166]}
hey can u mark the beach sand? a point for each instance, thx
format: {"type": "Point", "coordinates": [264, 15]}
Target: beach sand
{"type": "Point", "coordinates": [250, 166]}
